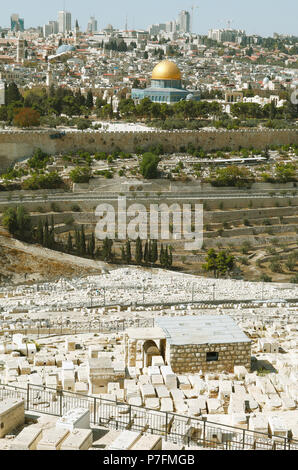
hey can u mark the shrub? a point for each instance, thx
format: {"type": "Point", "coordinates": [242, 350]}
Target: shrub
{"type": "Point", "coordinates": [75, 208]}
{"type": "Point", "coordinates": [80, 175]}
{"type": "Point", "coordinates": [44, 181]}
{"type": "Point", "coordinates": [265, 278]}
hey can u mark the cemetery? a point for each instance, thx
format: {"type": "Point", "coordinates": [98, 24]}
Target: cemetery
{"type": "Point", "coordinates": [150, 364]}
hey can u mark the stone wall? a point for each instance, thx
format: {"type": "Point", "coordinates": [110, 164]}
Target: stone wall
{"type": "Point", "coordinates": [191, 358]}
{"type": "Point", "coordinates": [18, 145]}
{"type": "Point", "coordinates": [12, 415]}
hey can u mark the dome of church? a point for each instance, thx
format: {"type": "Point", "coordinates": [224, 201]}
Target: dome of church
{"type": "Point", "coordinates": [166, 70]}
{"type": "Point", "coordinates": [65, 48]}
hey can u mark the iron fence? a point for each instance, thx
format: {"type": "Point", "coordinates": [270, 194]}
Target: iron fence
{"type": "Point", "coordinates": [183, 430]}
{"type": "Point", "coordinates": [73, 328]}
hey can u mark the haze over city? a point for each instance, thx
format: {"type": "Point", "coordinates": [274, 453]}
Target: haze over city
{"type": "Point", "coordinates": [256, 17]}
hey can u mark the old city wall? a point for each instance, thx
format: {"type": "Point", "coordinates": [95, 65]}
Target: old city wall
{"type": "Point", "coordinates": [18, 145]}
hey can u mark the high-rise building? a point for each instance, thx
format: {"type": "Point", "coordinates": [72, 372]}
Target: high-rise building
{"type": "Point", "coordinates": [92, 25]}
{"type": "Point", "coordinates": [51, 28]}
{"type": "Point", "coordinates": [155, 29]}
{"type": "Point", "coordinates": [184, 21]}
{"type": "Point", "coordinates": [55, 26]}
{"type": "Point", "coordinates": [171, 26]}
{"type": "Point", "coordinates": [64, 20]}
{"type": "Point", "coordinates": [17, 23]}
{"type": "Point", "coordinates": [226, 35]}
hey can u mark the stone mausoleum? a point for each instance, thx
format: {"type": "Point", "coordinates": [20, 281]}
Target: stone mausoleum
{"type": "Point", "coordinates": [166, 86]}
{"type": "Point", "coordinates": [190, 344]}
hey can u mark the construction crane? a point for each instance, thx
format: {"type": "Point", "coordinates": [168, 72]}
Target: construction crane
{"type": "Point", "coordinates": [229, 22]}
{"type": "Point", "coordinates": [193, 9]}
{"type": "Point", "coordinates": [226, 22]}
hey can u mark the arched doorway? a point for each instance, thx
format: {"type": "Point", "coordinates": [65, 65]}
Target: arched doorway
{"type": "Point", "coordinates": [150, 349]}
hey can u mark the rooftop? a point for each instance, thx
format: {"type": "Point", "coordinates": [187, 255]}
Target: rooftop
{"type": "Point", "coordinates": [208, 329]}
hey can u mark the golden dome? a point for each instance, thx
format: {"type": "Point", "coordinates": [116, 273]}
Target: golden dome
{"type": "Point", "coordinates": [166, 70]}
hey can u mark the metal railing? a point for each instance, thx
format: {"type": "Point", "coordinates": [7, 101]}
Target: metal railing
{"type": "Point", "coordinates": [74, 328]}
{"type": "Point", "coordinates": [113, 326]}
{"type": "Point", "coordinates": [183, 430]}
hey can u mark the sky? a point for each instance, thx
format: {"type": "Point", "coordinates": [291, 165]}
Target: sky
{"type": "Point", "coordinates": [262, 17]}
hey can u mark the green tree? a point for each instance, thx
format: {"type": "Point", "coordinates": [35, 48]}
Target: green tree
{"type": "Point", "coordinates": [46, 234]}
{"type": "Point", "coordinates": [69, 243]}
{"type": "Point", "coordinates": [232, 176]}
{"type": "Point", "coordinates": [139, 251]}
{"type": "Point", "coordinates": [146, 253]}
{"type": "Point", "coordinates": [123, 254]}
{"type": "Point", "coordinates": [77, 240]}
{"type": "Point", "coordinates": [107, 249]}
{"type": "Point", "coordinates": [154, 255]}
{"type": "Point", "coordinates": [17, 221]}
{"type": "Point", "coordinates": [89, 100]}
{"type": "Point", "coordinates": [149, 165]}
{"type": "Point", "coordinates": [39, 232]}
{"type": "Point", "coordinates": [128, 252]}
{"type": "Point", "coordinates": [82, 241]}
{"type": "Point", "coordinates": [92, 245]}
{"type": "Point", "coordinates": [12, 94]}
{"type": "Point", "coordinates": [219, 263]}
{"type": "Point", "coordinates": [9, 220]}
{"type": "Point", "coordinates": [80, 175]}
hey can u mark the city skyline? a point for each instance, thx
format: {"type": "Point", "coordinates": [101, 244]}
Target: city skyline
{"type": "Point", "coordinates": [259, 18]}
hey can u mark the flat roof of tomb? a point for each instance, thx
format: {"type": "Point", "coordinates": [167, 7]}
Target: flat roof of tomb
{"type": "Point", "coordinates": [207, 329]}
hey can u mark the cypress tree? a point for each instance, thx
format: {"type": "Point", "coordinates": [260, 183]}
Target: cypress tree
{"type": "Point", "coordinates": [128, 252]}
{"type": "Point", "coordinates": [146, 253]}
{"type": "Point", "coordinates": [77, 240]}
{"type": "Point", "coordinates": [12, 94]}
{"type": "Point", "coordinates": [139, 251]}
{"type": "Point", "coordinates": [80, 98]}
{"type": "Point", "coordinates": [170, 256]}
{"type": "Point", "coordinates": [69, 243]}
{"type": "Point", "coordinates": [161, 255]}
{"type": "Point", "coordinates": [89, 100]}
{"type": "Point", "coordinates": [107, 249]}
{"type": "Point", "coordinates": [46, 234]}
{"type": "Point", "coordinates": [52, 233]}
{"type": "Point", "coordinates": [92, 245]}
{"type": "Point", "coordinates": [150, 252]}
{"type": "Point", "coordinates": [123, 254]}
{"type": "Point", "coordinates": [39, 232]}
{"type": "Point", "coordinates": [166, 257]}
{"type": "Point", "coordinates": [154, 251]}
{"type": "Point", "coordinates": [83, 241]}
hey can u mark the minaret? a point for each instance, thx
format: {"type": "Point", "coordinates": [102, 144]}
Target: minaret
{"type": "Point", "coordinates": [20, 49]}
{"type": "Point", "coordinates": [49, 75]}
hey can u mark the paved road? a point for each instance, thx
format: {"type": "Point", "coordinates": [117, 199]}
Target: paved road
{"type": "Point", "coordinates": [91, 196]}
